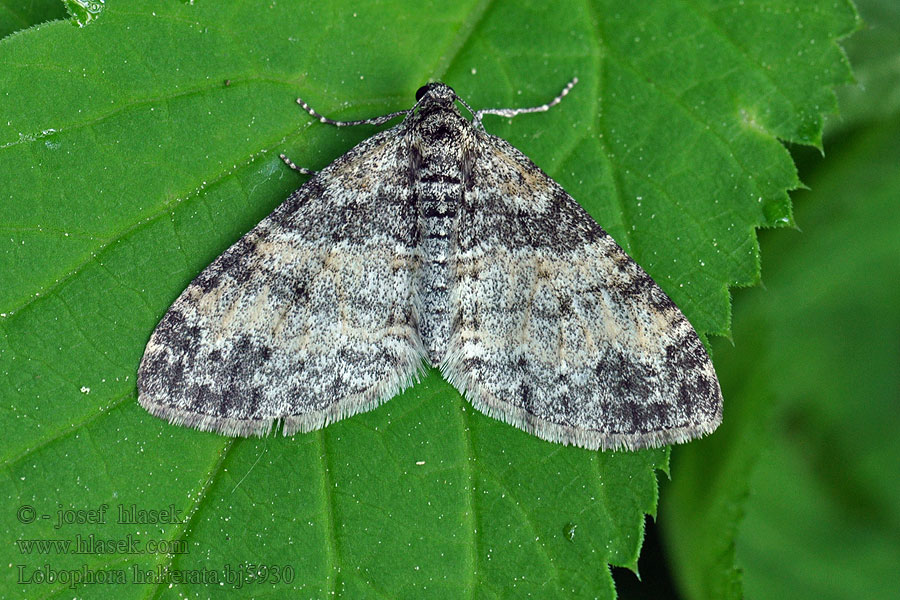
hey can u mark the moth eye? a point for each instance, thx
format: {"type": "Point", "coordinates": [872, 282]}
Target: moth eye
{"type": "Point", "coordinates": [421, 92]}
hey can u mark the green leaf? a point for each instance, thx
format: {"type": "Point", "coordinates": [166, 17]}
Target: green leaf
{"type": "Point", "coordinates": [703, 508]}
{"type": "Point", "coordinates": [129, 164]}
{"type": "Point", "coordinates": [822, 364]}
{"type": "Point", "coordinates": [824, 488]}
{"type": "Point", "coordinates": [15, 16]}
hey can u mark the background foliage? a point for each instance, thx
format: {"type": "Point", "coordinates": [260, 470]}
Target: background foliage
{"type": "Point", "coordinates": [128, 164]}
{"type": "Point", "coordinates": [801, 478]}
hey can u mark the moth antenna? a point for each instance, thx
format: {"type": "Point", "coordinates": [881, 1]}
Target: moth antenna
{"type": "Point", "coordinates": [372, 121]}
{"type": "Point", "coordinates": [512, 112]}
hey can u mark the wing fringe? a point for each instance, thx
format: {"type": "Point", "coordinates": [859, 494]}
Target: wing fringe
{"type": "Point", "coordinates": [567, 435]}
{"type": "Point", "coordinates": [289, 425]}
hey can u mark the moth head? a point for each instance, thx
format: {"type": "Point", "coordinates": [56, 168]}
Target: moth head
{"type": "Point", "coordinates": [436, 92]}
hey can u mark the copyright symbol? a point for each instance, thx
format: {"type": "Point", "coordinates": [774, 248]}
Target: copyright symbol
{"type": "Point", "coordinates": [26, 514]}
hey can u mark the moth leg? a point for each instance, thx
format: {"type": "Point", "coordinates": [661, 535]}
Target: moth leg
{"type": "Point", "coordinates": [512, 112]}
{"type": "Point", "coordinates": [290, 163]}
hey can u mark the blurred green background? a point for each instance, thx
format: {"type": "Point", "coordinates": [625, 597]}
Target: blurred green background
{"type": "Point", "coordinates": [811, 377]}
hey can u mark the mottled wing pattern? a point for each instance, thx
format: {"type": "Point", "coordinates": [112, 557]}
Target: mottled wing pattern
{"type": "Point", "coordinates": [310, 317]}
{"type": "Point", "coordinates": [557, 331]}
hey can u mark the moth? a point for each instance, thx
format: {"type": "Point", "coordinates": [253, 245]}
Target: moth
{"type": "Point", "coordinates": [432, 242]}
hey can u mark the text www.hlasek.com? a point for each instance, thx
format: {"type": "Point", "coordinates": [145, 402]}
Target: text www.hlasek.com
{"type": "Point", "coordinates": [90, 544]}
